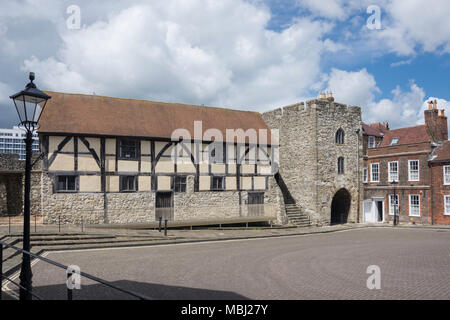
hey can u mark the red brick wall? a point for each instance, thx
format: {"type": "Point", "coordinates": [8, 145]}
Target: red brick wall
{"type": "Point", "coordinates": [439, 190]}
{"type": "Point", "coordinates": [403, 188]}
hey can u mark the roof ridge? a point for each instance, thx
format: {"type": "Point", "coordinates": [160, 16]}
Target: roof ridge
{"type": "Point", "coordinates": [419, 125]}
{"type": "Point", "coordinates": [143, 100]}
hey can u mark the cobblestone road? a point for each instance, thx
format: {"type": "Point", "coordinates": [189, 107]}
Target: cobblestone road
{"type": "Point", "coordinates": [414, 263]}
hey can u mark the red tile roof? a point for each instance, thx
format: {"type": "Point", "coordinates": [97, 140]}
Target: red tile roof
{"type": "Point", "coordinates": [417, 134]}
{"type": "Point", "coordinates": [97, 115]}
{"type": "Point", "coordinates": [371, 130]}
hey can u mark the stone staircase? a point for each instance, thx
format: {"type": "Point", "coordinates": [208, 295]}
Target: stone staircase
{"type": "Point", "coordinates": [41, 242]}
{"type": "Point", "coordinates": [295, 216]}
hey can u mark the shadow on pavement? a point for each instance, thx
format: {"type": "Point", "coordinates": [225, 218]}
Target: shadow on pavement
{"type": "Point", "coordinates": [151, 290]}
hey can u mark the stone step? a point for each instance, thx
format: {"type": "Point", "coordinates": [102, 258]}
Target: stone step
{"type": "Point", "coordinates": [297, 215]}
{"type": "Point", "coordinates": [59, 234]}
{"type": "Point", "coordinates": [294, 213]}
{"type": "Point", "coordinates": [71, 243]}
{"type": "Point", "coordinates": [69, 237]}
{"type": "Point", "coordinates": [299, 218]}
{"type": "Point", "coordinates": [301, 224]}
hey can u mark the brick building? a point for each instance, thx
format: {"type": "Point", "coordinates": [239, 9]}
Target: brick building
{"type": "Point", "coordinates": [403, 171]}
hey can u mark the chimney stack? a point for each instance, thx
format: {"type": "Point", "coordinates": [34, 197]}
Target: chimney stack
{"type": "Point", "coordinates": [330, 96]}
{"type": "Point", "coordinates": [436, 122]}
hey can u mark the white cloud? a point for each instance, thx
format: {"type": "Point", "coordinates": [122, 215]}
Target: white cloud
{"type": "Point", "coordinates": [326, 8]}
{"type": "Point", "coordinates": [353, 88]}
{"type": "Point", "coordinates": [404, 109]}
{"type": "Point", "coordinates": [360, 88]}
{"type": "Point", "coordinates": [415, 25]}
{"type": "Point", "coordinates": [204, 52]}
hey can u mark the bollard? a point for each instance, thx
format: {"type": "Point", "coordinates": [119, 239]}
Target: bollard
{"type": "Point", "coordinates": [160, 222]}
{"type": "Point", "coordinates": [35, 223]}
{"type": "Point", "coordinates": [82, 225]}
{"type": "Point", "coordinates": [59, 223]}
{"type": "Point", "coordinates": [165, 228]}
{"type": "Point", "coordinates": [1, 269]}
{"type": "Point", "coordinates": [69, 291]}
{"type": "Point", "coordinates": [9, 225]}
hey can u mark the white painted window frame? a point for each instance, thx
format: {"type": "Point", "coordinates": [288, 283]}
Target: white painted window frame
{"type": "Point", "coordinates": [410, 205]}
{"type": "Point", "coordinates": [409, 170]}
{"type": "Point", "coordinates": [365, 175]}
{"type": "Point", "coordinates": [443, 172]}
{"type": "Point", "coordinates": [446, 212]}
{"type": "Point", "coordinates": [371, 172]}
{"type": "Point", "coordinates": [391, 211]}
{"type": "Point", "coordinates": [390, 178]}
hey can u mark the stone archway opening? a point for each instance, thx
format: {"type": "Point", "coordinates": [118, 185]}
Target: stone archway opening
{"type": "Point", "coordinates": [340, 207]}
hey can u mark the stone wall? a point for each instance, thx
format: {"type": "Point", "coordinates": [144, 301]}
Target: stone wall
{"type": "Point", "coordinates": [12, 185]}
{"type": "Point", "coordinates": [309, 154]}
{"type": "Point", "coordinates": [139, 207]}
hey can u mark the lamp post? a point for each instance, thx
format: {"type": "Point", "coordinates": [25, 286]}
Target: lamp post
{"type": "Point", "coordinates": [29, 104]}
{"type": "Point", "coordinates": [394, 182]}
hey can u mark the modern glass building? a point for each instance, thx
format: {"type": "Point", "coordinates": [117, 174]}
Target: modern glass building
{"type": "Point", "coordinates": [11, 142]}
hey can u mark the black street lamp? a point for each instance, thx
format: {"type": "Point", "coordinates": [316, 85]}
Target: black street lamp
{"type": "Point", "coordinates": [394, 182]}
{"type": "Point", "coordinates": [29, 104]}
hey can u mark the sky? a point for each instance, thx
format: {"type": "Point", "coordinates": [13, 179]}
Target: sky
{"type": "Point", "coordinates": [387, 56]}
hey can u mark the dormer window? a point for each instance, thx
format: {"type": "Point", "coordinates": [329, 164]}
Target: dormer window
{"type": "Point", "coordinates": [371, 142]}
{"type": "Point", "coordinates": [395, 141]}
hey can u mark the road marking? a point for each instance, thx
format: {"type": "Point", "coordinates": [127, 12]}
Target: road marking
{"type": "Point", "coordinates": [16, 275]}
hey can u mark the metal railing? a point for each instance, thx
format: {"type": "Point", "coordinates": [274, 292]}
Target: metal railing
{"type": "Point", "coordinates": [70, 273]}
{"type": "Point", "coordinates": [85, 220]}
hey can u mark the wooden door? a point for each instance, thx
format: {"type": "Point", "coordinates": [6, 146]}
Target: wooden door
{"type": "Point", "coordinates": [164, 206]}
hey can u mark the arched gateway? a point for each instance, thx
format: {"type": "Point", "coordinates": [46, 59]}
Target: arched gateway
{"type": "Point", "coordinates": [340, 207]}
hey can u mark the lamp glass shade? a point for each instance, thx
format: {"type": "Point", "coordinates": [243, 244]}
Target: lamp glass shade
{"type": "Point", "coordinates": [29, 104]}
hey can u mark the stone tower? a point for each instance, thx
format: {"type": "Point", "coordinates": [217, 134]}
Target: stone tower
{"type": "Point", "coordinates": [317, 172]}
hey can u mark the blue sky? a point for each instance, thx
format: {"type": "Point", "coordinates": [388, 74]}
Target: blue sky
{"type": "Point", "coordinates": [242, 54]}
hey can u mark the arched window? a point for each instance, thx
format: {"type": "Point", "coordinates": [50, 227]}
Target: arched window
{"type": "Point", "coordinates": [340, 136]}
{"type": "Point", "coordinates": [341, 165]}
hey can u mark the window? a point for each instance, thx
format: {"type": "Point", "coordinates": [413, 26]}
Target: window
{"type": "Point", "coordinates": [393, 204]}
{"type": "Point", "coordinates": [218, 183]}
{"type": "Point", "coordinates": [365, 175]}
{"type": "Point", "coordinates": [395, 141]}
{"type": "Point", "coordinates": [371, 142]}
{"type": "Point", "coordinates": [447, 205]}
{"type": "Point", "coordinates": [128, 149]}
{"type": "Point", "coordinates": [128, 183]}
{"type": "Point", "coordinates": [393, 171]}
{"type": "Point", "coordinates": [447, 175]}
{"type": "Point", "coordinates": [413, 170]}
{"type": "Point", "coordinates": [180, 184]}
{"type": "Point", "coordinates": [375, 172]}
{"type": "Point", "coordinates": [414, 205]}
{"type": "Point", "coordinates": [341, 165]}
{"type": "Point", "coordinates": [66, 183]}
{"type": "Point", "coordinates": [340, 136]}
